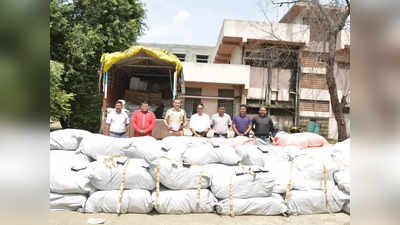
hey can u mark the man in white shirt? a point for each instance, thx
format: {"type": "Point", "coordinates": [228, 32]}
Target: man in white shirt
{"type": "Point", "coordinates": [200, 122]}
{"type": "Point", "coordinates": [117, 123]}
{"type": "Point", "coordinates": [221, 122]}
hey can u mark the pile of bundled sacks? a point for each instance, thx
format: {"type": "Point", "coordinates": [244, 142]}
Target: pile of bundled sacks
{"type": "Point", "coordinates": [297, 174]}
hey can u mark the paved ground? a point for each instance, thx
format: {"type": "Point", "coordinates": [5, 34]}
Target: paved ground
{"type": "Point", "coordinates": [76, 218]}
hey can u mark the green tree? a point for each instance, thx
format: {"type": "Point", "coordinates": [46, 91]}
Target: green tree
{"type": "Point", "coordinates": [60, 107]}
{"type": "Point", "coordinates": [80, 32]}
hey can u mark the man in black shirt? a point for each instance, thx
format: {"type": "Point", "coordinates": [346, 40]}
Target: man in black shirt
{"type": "Point", "coordinates": [263, 126]}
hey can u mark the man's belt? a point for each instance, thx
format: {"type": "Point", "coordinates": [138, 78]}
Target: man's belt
{"type": "Point", "coordinates": [117, 133]}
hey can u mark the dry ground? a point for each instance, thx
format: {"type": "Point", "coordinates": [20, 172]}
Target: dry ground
{"type": "Point", "coordinates": [76, 218]}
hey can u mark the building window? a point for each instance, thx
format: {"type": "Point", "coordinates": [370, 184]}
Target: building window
{"type": "Point", "coordinates": [191, 103]}
{"type": "Point", "coordinates": [228, 104]}
{"type": "Point", "coordinates": [228, 93]}
{"type": "Point", "coordinates": [202, 58]}
{"type": "Point", "coordinates": [193, 91]}
{"type": "Point", "coordinates": [191, 106]}
{"type": "Point", "coordinates": [314, 106]}
{"type": "Point", "coordinates": [181, 57]}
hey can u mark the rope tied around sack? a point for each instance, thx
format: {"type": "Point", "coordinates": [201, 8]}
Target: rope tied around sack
{"type": "Point", "coordinates": [122, 187]}
{"type": "Point", "coordinates": [158, 183]}
{"type": "Point", "coordinates": [110, 161]}
{"type": "Point", "coordinates": [199, 188]}
{"type": "Point", "coordinates": [289, 186]}
{"type": "Point", "coordinates": [232, 212]}
{"type": "Point", "coordinates": [326, 188]}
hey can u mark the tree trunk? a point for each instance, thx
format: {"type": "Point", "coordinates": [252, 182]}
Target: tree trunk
{"type": "Point", "coordinates": [337, 107]}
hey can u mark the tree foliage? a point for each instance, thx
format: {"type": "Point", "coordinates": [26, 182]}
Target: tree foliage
{"type": "Point", "coordinates": [80, 32]}
{"type": "Point", "coordinates": [60, 107]}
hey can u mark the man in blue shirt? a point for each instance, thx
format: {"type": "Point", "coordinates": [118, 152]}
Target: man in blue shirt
{"type": "Point", "coordinates": [241, 123]}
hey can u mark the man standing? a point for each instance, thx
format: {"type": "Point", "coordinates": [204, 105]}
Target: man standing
{"type": "Point", "coordinates": [263, 125]}
{"type": "Point", "coordinates": [221, 122]}
{"type": "Point", "coordinates": [143, 121]}
{"type": "Point", "coordinates": [117, 122]}
{"type": "Point", "coordinates": [175, 119]}
{"type": "Point", "coordinates": [241, 123]}
{"type": "Point", "coordinates": [200, 122]}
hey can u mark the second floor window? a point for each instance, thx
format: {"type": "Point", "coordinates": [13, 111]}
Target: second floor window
{"type": "Point", "coordinates": [202, 58]}
{"type": "Point", "coordinates": [181, 57]}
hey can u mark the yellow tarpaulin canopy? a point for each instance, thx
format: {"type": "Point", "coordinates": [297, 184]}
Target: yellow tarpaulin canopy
{"type": "Point", "coordinates": [110, 59]}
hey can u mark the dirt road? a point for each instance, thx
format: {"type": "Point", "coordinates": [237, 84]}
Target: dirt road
{"type": "Point", "coordinates": [76, 218]}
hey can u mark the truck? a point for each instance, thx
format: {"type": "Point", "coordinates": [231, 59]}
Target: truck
{"type": "Point", "coordinates": [141, 74]}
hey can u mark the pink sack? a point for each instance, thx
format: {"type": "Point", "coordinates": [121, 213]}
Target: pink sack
{"type": "Point", "coordinates": [302, 140]}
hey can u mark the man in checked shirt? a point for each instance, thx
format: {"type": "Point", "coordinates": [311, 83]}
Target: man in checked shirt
{"type": "Point", "coordinates": [143, 121]}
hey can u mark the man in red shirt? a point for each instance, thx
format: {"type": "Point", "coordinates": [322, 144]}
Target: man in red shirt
{"type": "Point", "coordinates": [143, 121]}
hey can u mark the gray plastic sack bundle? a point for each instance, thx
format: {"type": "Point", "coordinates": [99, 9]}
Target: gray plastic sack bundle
{"type": "Point", "coordinates": [133, 201]}
{"type": "Point", "coordinates": [67, 139]}
{"type": "Point", "coordinates": [342, 179]}
{"type": "Point", "coordinates": [207, 154]}
{"type": "Point", "coordinates": [283, 171]}
{"type": "Point", "coordinates": [314, 201]}
{"type": "Point", "coordinates": [106, 174]}
{"type": "Point", "coordinates": [184, 201]}
{"type": "Point", "coordinates": [267, 206]}
{"type": "Point", "coordinates": [251, 154]}
{"type": "Point", "coordinates": [175, 176]}
{"type": "Point", "coordinates": [98, 144]}
{"type": "Point", "coordinates": [341, 154]}
{"type": "Point", "coordinates": [146, 149]}
{"type": "Point", "coordinates": [241, 186]}
{"type": "Point", "coordinates": [66, 201]}
{"type": "Point", "coordinates": [63, 178]}
{"type": "Point", "coordinates": [317, 165]}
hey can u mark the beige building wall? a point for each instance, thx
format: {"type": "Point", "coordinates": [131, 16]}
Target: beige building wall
{"type": "Point", "coordinates": [210, 93]}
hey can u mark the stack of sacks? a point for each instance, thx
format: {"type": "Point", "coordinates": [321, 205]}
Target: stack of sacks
{"type": "Point", "coordinates": [69, 184]}
{"type": "Point", "coordinates": [306, 178]}
{"type": "Point", "coordinates": [176, 175]}
{"type": "Point", "coordinates": [109, 175]}
{"type": "Point", "coordinates": [245, 190]}
{"type": "Point", "coordinates": [189, 185]}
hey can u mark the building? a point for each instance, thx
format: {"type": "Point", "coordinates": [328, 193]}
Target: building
{"type": "Point", "coordinates": [288, 68]}
{"type": "Point", "coordinates": [279, 65]}
{"type": "Point", "coordinates": [207, 83]}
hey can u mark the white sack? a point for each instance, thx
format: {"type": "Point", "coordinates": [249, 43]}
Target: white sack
{"type": "Point", "coordinates": [311, 166]}
{"type": "Point", "coordinates": [63, 179]}
{"type": "Point", "coordinates": [250, 154]}
{"type": "Point", "coordinates": [207, 154]}
{"type": "Point", "coordinates": [267, 206]}
{"type": "Point", "coordinates": [243, 186]}
{"type": "Point", "coordinates": [133, 201]}
{"type": "Point", "coordinates": [66, 201]}
{"type": "Point", "coordinates": [184, 201]}
{"type": "Point", "coordinates": [98, 144]}
{"type": "Point", "coordinates": [105, 178]}
{"type": "Point", "coordinates": [278, 164]}
{"type": "Point", "coordinates": [67, 139]}
{"type": "Point", "coordinates": [174, 176]}
{"type": "Point", "coordinates": [313, 201]}
{"type": "Point", "coordinates": [342, 179]}
{"type": "Point", "coordinates": [145, 149]}
{"type": "Point", "coordinates": [341, 154]}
